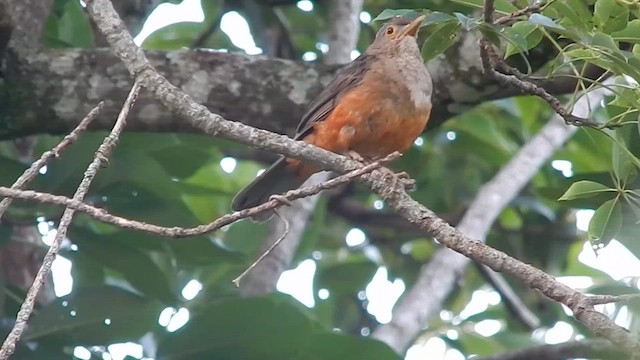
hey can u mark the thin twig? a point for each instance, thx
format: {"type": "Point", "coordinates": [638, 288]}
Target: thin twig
{"type": "Point", "coordinates": [100, 159]}
{"type": "Point", "coordinates": [32, 171]}
{"type": "Point", "coordinates": [511, 300]}
{"type": "Point", "coordinates": [266, 253]}
{"type": "Point", "coordinates": [178, 232]}
{"type": "Point", "coordinates": [491, 63]}
{"type": "Point", "coordinates": [504, 20]}
{"type": "Point", "coordinates": [607, 299]}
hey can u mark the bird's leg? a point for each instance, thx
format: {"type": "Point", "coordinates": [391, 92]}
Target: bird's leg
{"type": "Point", "coordinates": [402, 177]}
{"type": "Point", "coordinates": [281, 199]}
{"type": "Point", "coordinates": [353, 155]}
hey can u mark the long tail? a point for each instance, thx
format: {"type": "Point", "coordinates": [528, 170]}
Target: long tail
{"type": "Point", "coordinates": [278, 178]}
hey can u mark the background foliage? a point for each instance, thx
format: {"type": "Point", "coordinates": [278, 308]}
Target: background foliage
{"type": "Point", "coordinates": [123, 280]}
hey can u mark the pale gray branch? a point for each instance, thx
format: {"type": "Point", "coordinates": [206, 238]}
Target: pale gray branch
{"type": "Point", "coordinates": [26, 20]}
{"type": "Point", "coordinates": [61, 86]}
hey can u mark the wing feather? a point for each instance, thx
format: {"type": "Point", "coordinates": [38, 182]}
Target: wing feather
{"type": "Point", "coordinates": [348, 78]}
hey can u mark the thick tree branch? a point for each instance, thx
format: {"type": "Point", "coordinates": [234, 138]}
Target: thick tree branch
{"type": "Point", "coordinates": [26, 19]}
{"type": "Point", "coordinates": [272, 94]}
{"type": "Point", "coordinates": [439, 277]}
{"type": "Point", "coordinates": [123, 46]}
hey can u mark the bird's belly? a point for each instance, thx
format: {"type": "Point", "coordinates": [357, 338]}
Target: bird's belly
{"type": "Point", "coordinates": [371, 128]}
{"type": "Point", "coordinates": [387, 132]}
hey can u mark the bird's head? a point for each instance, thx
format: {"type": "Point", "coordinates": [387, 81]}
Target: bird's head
{"type": "Point", "coordinates": [397, 35]}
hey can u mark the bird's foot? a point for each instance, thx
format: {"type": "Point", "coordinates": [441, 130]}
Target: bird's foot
{"type": "Point", "coordinates": [402, 177]}
{"type": "Point", "coordinates": [281, 199]}
{"type": "Point", "coordinates": [357, 157]}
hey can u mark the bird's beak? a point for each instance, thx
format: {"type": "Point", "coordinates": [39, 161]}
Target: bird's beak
{"type": "Point", "coordinates": [413, 27]}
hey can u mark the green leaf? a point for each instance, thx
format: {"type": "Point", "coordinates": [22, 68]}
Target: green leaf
{"type": "Point", "coordinates": [523, 35]}
{"type": "Point", "coordinates": [510, 219]}
{"type": "Point", "coordinates": [441, 39]}
{"type": "Point", "coordinates": [602, 10]}
{"type": "Point", "coordinates": [11, 170]}
{"type": "Point", "coordinates": [387, 14]}
{"type": "Point", "coordinates": [624, 169]}
{"type": "Point", "coordinates": [348, 277]}
{"type": "Point", "coordinates": [630, 34]}
{"type": "Point", "coordinates": [604, 40]}
{"type": "Point", "coordinates": [436, 18]}
{"type": "Point", "coordinates": [335, 346]}
{"type": "Point", "coordinates": [172, 159]}
{"type": "Point", "coordinates": [547, 22]}
{"type": "Point", "coordinates": [74, 28]}
{"type": "Point", "coordinates": [174, 36]}
{"type": "Point", "coordinates": [584, 188]}
{"type": "Point", "coordinates": [420, 250]}
{"type": "Point", "coordinates": [582, 9]}
{"type": "Point", "coordinates": [485, 129]}
{"type": "Point", "coordinates": [609, 15]}
{"type": "Point", "coordinates": [134, 265]}
{"type": "Point", "coordinates": [80, 317]}
{"type": "Point", "coordinates": [605, 224]}
{"type": "Point", "coordinates": [466, 22]}
{"type": "Point", "coordinates": [575, 12]}
{"type": "Point", "coordinates": [273, 327]}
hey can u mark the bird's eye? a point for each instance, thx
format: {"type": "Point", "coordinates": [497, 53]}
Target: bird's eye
{"type": "Point", "coordinates": [390, 30]}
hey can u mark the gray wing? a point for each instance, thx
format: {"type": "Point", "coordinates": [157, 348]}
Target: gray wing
{"type": "Point", "coordinates": [348, 78]}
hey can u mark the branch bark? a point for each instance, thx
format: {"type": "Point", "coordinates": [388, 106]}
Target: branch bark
{"type": "Point", "coordinates": [26, 19]}
{"type": "Point", "coordinates": [272, 94]}
{"type": "Point", "coordinates": [123, 46]}
{"type": "Point", "coordinates": [439, 277]}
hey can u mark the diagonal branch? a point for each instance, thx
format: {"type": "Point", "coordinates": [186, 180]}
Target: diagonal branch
{"type": "Point", "coordinates": [100, 159]}
{"type": "Point", "coordinates": [134, 59]}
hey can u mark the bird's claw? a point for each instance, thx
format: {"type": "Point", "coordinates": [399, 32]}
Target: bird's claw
{"type": "Point", "coordinates": [402, 177]}
{"type": "Point", "coordinates": [281, 199]}
{"type": "Point", "coordinates": [357, 157]}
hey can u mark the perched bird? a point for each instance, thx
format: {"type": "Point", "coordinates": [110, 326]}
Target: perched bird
{"type": "Point", "coordinates": [379, 103]}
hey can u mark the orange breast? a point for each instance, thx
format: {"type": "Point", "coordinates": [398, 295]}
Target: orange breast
{"type": "Point", "coordinates": [372, 122]}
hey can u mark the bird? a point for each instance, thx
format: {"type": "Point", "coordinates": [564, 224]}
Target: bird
{"type": "Point", "coordinates": [376, 105]}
